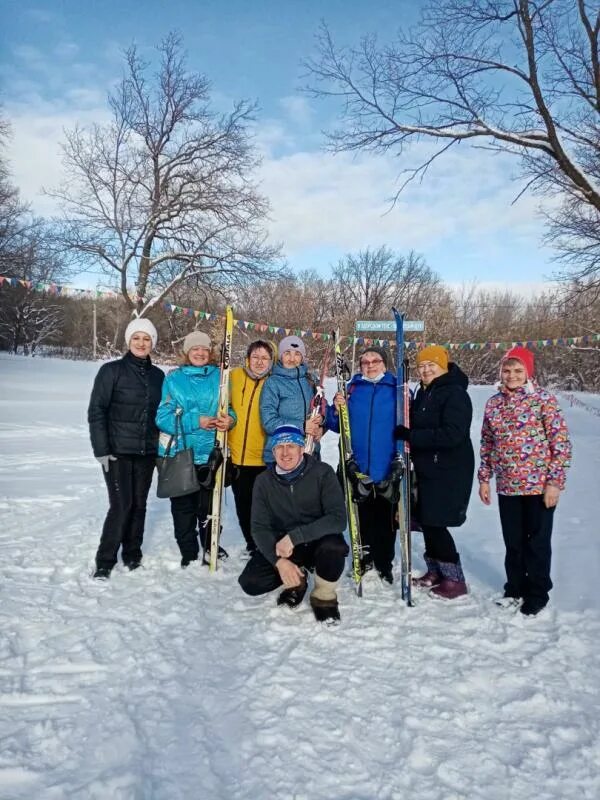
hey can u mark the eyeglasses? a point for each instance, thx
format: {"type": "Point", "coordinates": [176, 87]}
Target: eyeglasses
{"type": "Point", "coordinates": [260, 358]}
{"type": "Point", "coordinates": [365, 363]}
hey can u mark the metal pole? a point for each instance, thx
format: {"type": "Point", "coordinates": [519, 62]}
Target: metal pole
{"type": "Point", "coordinates": [353, 349]}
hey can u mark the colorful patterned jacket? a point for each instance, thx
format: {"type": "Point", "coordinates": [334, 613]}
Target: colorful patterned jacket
{"type": "Point", "coordinates": [524, 441]}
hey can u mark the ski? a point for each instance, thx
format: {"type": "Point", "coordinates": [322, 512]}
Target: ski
{"type": "Point", "coordinates": [214, 518]}
{"type": "Point", "coordinates": [318, 404]}
{"type": "Point", "coordinates": [402, 461]}
{"type": "Point", "coordinates": [345, 444]}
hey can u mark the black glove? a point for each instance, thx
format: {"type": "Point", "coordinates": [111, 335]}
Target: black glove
{"type": "Point", "coordinates": [402, 432]}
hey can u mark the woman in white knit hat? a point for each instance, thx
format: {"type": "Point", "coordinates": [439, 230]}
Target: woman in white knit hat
{"type": "Point", "coordinates": [124, 438]}
{"type": "Point", "coordinates": [192, 392]}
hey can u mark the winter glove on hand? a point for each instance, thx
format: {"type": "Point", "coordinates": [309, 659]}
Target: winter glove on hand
{"type": "Point", "coordinates": [104, 461]}
{"type": "Point", "coordinates": [402, 432]}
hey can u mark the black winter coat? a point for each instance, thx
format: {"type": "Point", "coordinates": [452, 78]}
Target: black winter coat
{"type": "Point", "coordinates": [441, 449]}
{"type": "Point", "coordinates": [307, 508]}
{"type": "Point", "coordinates": [123, 407]}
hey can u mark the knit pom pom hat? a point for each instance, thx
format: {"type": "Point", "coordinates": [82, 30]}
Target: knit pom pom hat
{"type": "Point", "coordinates": [141, 325]}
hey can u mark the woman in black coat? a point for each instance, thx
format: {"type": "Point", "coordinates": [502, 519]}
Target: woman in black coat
{"type": "Point", "coordinates": [124, 438]}
{"type": "Point", "coordinates": [444, 462]}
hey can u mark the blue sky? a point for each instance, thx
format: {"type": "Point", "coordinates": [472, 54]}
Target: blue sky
{"type": "Point", "coordinates": [59, 59]}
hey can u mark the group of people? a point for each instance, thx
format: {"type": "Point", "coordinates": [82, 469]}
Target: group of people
{"type": "Point", "coordinates": [290, 505]}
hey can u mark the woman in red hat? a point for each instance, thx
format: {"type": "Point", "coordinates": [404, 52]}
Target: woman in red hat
{"type": "Point", "coordinates": [525, 444]}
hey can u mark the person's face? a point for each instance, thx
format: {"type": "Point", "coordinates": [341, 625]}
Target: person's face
{"type": "Point", "coordinates": [288, 455]}
{"type": "Point", "coordinates": [260, 360]}
{"type": "Point", "coordinates": [429, 371]}
{"type": "Point", "coordinates": [140, 344]}
{"type": "Point", "coordinates": [198, 356]}
{"type": "Point", "coordinates": [291, 358]}
{"type": "Point", "coordinates": [371, 365]}
{"type": "Point", "coordinates": [513, 374]}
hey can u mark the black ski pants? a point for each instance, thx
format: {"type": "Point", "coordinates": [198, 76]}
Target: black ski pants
{"type": "Point", "coordinates": [439, 544]}
{"type": "Point", "coordinates": [378, 531]}
{"type": "Point", "coordinates": [242, 486]}
{"type": "Point", "coordinates": [190, 519]}
{"type": "Point", "coordinates": [326, 555]}
{"type": "Point", "coordinates": [527, 531]}
{"type": "Point", "coordinates": [128, 482]}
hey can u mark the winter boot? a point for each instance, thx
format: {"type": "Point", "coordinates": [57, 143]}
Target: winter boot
{"type": "Point", "coordinates": [433, 576]}
{"type": "Point", "coordinates": [293, 597]}
{"type": "Point", "coordinates": [453, 581]}
{"type": "Point", "coordinates": [386, 574]}
{"type": "Point", "coordinates": [323, 601]}
{"type": "Point", "coordinates": [102, 573]}
{"type": "Point", "coordinates": [533, 605]}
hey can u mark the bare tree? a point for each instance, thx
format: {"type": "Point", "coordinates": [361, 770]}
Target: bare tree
{"type": "Point", "coordinates": [163, 193]}
{"type": "Point", "coordinates": [516, 76]}
{"type": "Point", "coordinates": [369, 283]}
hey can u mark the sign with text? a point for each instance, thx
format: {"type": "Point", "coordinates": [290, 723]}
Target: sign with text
{"type": "Point", "coordinates": [388, 325]}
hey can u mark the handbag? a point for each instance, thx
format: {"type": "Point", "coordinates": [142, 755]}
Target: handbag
{"type": "Point", "coordinates": [177, 474]}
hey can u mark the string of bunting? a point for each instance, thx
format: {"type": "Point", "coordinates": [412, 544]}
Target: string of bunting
{"type": "Point", "coordinates": [265, 327]}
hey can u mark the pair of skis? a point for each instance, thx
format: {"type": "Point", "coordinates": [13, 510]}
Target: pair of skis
{"type": "Point", "coordinates": [213, 519]}
{"type": "Point", "coordinates": [402, 461]}
{"type": "Point", "coordinates": [345, 444]}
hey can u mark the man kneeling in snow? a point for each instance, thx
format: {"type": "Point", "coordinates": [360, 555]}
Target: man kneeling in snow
{"type": "Point", "coordinates": [298, 519]}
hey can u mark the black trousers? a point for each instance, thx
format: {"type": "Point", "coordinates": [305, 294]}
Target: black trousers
{"type": "Point", "coordinates": [190, 519]}
{"type": "Point", "coordinates": [439, 544]}
{"type": "Point", "coordinates": [128, 482]}
{"type": "Point", "coordinates": [378, 530]}
{"type": "Point", "coordinates": [326, 555]}
{"type": "Point", "coordinates": [527, 531]}
{"type": "Point", "coordinates": [242, 487]}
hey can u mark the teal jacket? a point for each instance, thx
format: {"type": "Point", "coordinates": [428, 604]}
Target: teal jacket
{"type": "Point", "coordinates": [194, 391]}
{"type": "Point", "coordinates": [285, 400]}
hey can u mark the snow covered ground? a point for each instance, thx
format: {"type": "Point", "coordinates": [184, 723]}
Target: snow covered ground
{"type": "Point", "coordinates": [166, 684]}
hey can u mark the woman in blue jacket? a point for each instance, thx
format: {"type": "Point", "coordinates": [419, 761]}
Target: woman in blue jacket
{"type": "Point", "coordinates": [287, 395]}
{"type": "Point", "coordinates": [372, 411]}
{"type": "Point", "coordinates": [192, 391]}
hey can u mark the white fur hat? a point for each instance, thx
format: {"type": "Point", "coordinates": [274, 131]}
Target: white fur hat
{"type": "Point", "coordinates": [141, 325]}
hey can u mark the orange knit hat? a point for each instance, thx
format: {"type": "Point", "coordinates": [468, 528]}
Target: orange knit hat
{"type": "Point", "coordinates": [435, 353]}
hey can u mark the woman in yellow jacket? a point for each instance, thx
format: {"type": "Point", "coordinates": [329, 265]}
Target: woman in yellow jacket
{"type": "Point", "coordinates": [247, 440]}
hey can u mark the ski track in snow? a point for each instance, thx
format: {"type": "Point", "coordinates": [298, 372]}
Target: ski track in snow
{"type": "Point", "coordinates": [165, 684]}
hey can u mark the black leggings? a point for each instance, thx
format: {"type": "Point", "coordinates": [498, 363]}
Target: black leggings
{"type": "Point", "coordinates": [439, 544]}
{"type": "Point", "coordinates": [242, 486]}
{"type": "Point", "coordinates": [128, 482]}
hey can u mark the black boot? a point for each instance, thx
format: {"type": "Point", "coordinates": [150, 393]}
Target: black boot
{"type": "Point", "coordinates": [325, 611]}
{"type": "Point", "coordinates": [102, 573]}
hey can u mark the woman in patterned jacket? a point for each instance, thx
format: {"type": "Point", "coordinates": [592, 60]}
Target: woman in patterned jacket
{"type": "Point", "coordinates": [525, 444]}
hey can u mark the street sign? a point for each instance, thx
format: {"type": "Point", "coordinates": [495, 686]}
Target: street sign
{"type": "Point", "coordinates": [388, 325]}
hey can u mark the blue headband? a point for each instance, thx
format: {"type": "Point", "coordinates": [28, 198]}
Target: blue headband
{"type": "Point", "coordinates": [287, 434]}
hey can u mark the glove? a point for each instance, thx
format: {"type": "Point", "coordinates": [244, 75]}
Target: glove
{"type": "Point", "coordinates": [104, 461]}
{"type": "Point", "coordinates": [402, 432]}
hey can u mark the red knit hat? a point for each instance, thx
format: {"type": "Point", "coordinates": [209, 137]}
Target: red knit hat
{"type": "Point", "coordinates": [523, 355]}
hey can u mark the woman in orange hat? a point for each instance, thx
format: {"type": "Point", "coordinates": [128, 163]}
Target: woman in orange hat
{"type": "Point", "coordinates": [444, 462]}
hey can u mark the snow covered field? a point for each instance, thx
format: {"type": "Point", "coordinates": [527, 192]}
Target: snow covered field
{"type": "Point", "coordinates": [165, 684]}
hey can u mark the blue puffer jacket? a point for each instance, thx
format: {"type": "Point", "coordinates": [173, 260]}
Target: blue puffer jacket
{"type": "Point", "coordinates": [285, 400]}
{"type": "Point", "coordinates": [196, 391]}
{"type": "Point", "coordinates": [372, 411]}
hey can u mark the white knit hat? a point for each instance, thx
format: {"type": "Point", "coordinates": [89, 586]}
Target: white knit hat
{"type": "Point", "coordinates": [196, 339]}
{"type": "Point", "coordinates": [141, 325]}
